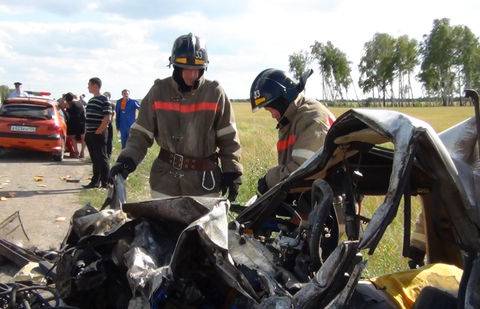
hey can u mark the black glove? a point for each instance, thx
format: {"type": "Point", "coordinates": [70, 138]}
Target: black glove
{"type": "Point", "coordinates": [123, 166]}
{"type": "Point", "coordinates": [417, 257]}
{"type": "Point", "coordinates": [231, 181]}
{"type": "Point", "coordinates": [262, 186]}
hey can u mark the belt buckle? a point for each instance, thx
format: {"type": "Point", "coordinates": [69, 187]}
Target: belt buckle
{"type": "Point", "coordinates": [177, 161]}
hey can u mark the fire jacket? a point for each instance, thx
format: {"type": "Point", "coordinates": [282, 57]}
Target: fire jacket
{"type": "Point", "coordinates": [302, 132]}
{"type": "Point", "coordinates": [197, 124]}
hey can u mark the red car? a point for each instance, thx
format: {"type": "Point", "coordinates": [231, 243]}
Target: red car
{"type": "Point", "coordinates": [32, 123]}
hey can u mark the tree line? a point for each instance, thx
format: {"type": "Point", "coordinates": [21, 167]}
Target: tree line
{"type": "Point", "coordinates": [4, 92]}
{"type": "Point", "coordinates": [448, 58]}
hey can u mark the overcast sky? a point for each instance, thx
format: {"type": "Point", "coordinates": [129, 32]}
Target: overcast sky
{"type": "Point", "coordinates": [58, 45]}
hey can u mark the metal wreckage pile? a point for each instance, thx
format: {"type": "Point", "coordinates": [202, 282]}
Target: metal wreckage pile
{"type": "Point", "coordinates": [285, 249]}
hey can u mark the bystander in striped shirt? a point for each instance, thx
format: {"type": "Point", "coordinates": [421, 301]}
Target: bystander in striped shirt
{"type": "Point", "coordinates": [97, 108]}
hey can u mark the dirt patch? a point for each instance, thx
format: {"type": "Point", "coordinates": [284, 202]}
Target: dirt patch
{"type": "Point", "coordinates": [44, 192]}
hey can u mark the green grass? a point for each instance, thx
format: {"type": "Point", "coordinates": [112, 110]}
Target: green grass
{"type": "Point", "coordinates": [440, 118]}
{"type": "Point", "coordinates": [258, 138]}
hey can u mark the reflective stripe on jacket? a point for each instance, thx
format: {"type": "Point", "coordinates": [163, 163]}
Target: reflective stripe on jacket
{"type": "Point", "coordinates": [303, 135]}
{"type": "Point", "coordinates": [196, 124]}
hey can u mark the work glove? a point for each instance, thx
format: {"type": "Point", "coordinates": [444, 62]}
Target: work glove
{"type": "Point", "coordinates": [123, 166]}
{"type": "Point", "coordinates": [231, 182]}
{"type": "Point", "coordinates": [262, 186]}
{"type": "Point", "coordinates": [417, 257]}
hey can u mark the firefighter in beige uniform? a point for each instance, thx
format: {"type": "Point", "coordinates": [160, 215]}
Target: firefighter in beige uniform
{"type": "Point", "coordinates": [302, 123]}
{"type": "Point", "coordinates": [192, 120]}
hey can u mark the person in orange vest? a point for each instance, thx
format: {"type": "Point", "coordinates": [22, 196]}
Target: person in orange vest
{"type": "Point", "coordinates": [302, 123]}
{"type": "Point", "coordinates": [125, 113]}
{"type": "Point", "coordinates": [192, 120]}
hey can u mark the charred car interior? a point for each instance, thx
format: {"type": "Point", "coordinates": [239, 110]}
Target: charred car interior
{"type": "Point", "coordinates": [299, 245]}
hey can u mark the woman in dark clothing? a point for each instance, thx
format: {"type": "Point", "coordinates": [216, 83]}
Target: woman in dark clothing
{"type": "Point", "coordinates": [75, 123]}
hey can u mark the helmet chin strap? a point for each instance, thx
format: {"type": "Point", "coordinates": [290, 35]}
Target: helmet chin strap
{"type": "Point", "coordinates": [177, 77]}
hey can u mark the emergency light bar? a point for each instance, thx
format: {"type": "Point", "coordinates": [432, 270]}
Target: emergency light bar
{"type": "Point", "coordinates": [39, 93]}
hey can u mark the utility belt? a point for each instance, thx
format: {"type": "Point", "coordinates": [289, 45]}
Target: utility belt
{"type": "Point", "coordinates": [181, 162]}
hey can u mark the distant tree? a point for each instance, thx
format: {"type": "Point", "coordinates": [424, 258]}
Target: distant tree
{"type": "Point", "coordinates": [377, 64]}
{"type": "Point", "coordinates": [438, 52]}
{"type": "Point", "coordinates": [4, 92]}
{"type": "Point", "coordinates": [334, 68]}
{"type": "Point", "coordinates": [298, 63]}
{"type": "Point", "coordinates": [467, 59]}
{"type": "Point", "coordinates": [475, 81]}
{"type": "Point", "coordinates": [317, 50]}
{"type": "Point", "coordinates": [406, 58]}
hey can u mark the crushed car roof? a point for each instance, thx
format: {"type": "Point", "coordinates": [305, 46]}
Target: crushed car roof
{"type": "Point", "coordinates": [415, 142]}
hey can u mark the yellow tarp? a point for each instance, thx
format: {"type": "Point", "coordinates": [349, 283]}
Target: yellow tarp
{"type": "Point", "coordinates": [404, 287]}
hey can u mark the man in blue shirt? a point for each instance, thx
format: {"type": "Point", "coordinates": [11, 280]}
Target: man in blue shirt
{"type": "Point", "coordinates": [125, 111]}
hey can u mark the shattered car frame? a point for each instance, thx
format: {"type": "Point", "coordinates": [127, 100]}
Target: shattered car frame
{"type": "Point", "coordinates": [284, 250]}
{"type": "Point", "coordinates": [437, 168]}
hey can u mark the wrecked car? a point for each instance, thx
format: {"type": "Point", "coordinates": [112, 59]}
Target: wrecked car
{"type": "Point", "coordinates": [442, 169]}
{"type": "Point", "coordinates": [286, 249]}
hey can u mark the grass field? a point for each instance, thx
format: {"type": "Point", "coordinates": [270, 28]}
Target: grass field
{"type": "Point", "coordinates": [258, 138]}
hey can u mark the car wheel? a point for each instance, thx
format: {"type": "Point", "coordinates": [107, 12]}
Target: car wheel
{"type": "Point", "coordinates": [59, 156]}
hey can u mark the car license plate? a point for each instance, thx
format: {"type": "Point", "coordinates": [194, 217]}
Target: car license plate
{"type": "Point", "coordinates": [22, 129]}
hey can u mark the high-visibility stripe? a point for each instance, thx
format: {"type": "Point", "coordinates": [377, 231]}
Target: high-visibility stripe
{"type": "Point", "coordinates": [138, 127]}
{"type": "Point", "coordinates": [286, 143]}
{"type": "Point", "coordinates": [232, 128]}
{"type": "Point", "coordinates": [182, 60]}
{"type": "Point", "coordinates": [302, 153]}
{"type": "Point", "coordinates": [260, 100]}
{"type": "Point", "coordinates": [330, 121]}
{"type": "Point", "coordinates": [185, 108]}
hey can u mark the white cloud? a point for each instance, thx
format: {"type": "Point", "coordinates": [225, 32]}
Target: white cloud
{"type": "Point", "coordinates": [126, 46]}
{"type": "Point", "coordinates": [92, 6]}
{"type": "Point", "coordinates": [53, 6]}
{"type": "Point", "coordinates": [63, 57]}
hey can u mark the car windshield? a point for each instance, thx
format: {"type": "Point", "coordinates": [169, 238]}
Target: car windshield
{"type": "Point", "coordinates": [26, 111]}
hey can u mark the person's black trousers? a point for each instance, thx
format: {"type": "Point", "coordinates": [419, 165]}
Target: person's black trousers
{"type": "Point", "coordinates": [97, 147]}
{"type": "Point", "coordinates": [110, 140]}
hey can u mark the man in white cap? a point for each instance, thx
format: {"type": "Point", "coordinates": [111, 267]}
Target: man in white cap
{"type": "Point", "coordinates": [18, 91]}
